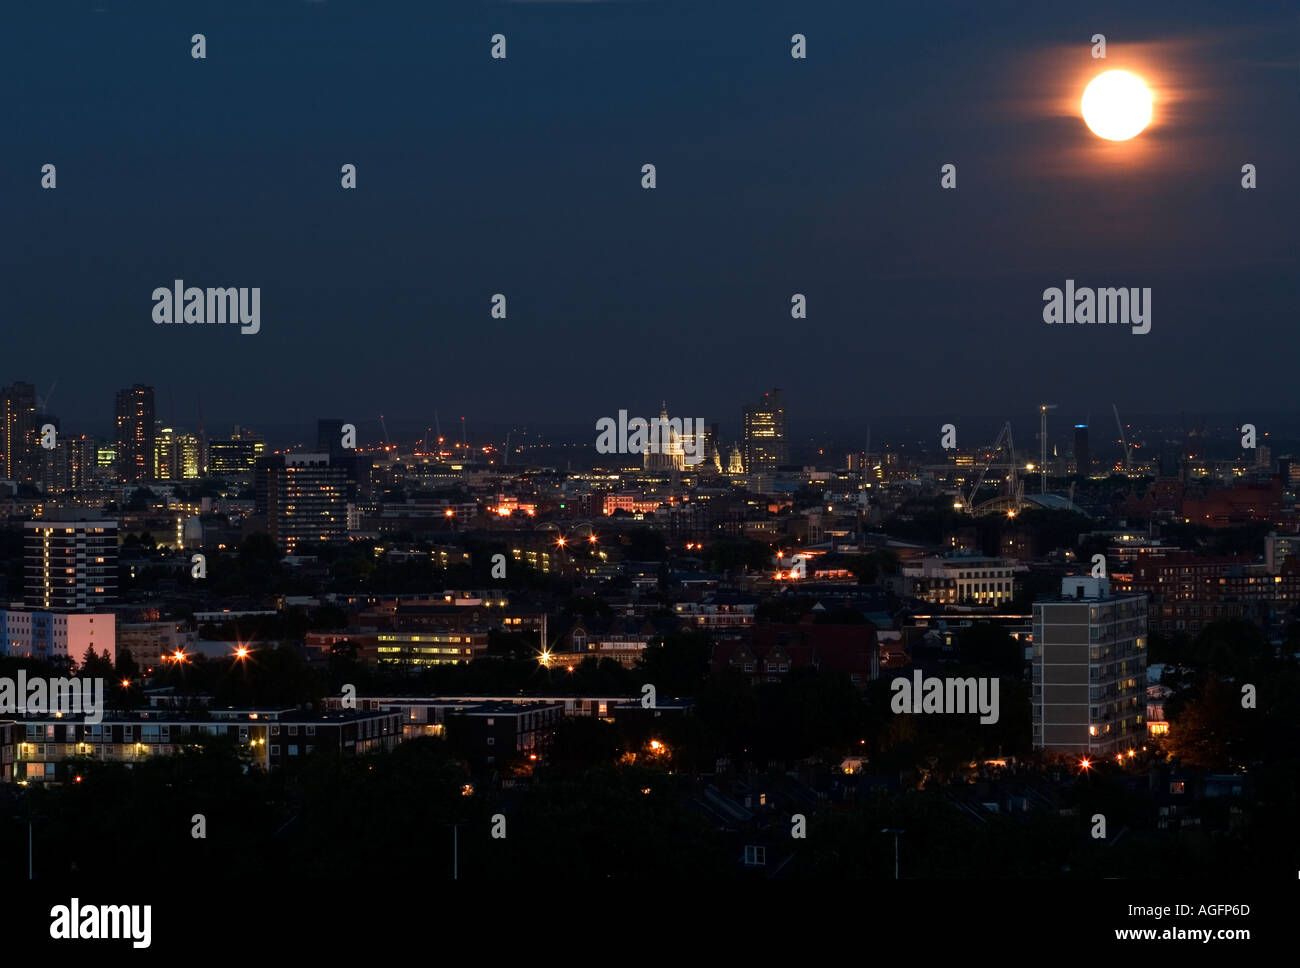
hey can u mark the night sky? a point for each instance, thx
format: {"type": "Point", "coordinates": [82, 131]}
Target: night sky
{"type": "Point", "coordinates": [522, 176]}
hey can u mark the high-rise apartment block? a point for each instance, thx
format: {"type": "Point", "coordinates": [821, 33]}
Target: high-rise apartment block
{"type": "Point", "coordinates": [18, 444]}
{"type": "Point", "coordinates": [1089, 669]}
{"type": "Point", "coordinates": [305, 499]}
{"type": "Point", "coordinates": [135, 434]}
{"type": "Point", "coordinates": [70, 565]}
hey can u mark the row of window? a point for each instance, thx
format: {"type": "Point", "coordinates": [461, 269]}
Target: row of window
{"type": "Point", "coordinates": [292, 730]}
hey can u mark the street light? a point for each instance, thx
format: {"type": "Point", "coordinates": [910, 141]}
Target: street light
{"type": "Point", "coordinates": [897, 833]}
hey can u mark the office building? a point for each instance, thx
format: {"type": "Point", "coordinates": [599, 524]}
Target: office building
{"type": "Point", "coordinates": [135, 434]}
{"type": "Point", "coordinates": [1082, 458]}
{"type": "Point", "coordinates": [764, 434]}
{"type": "Point", "coordinates": [962, 579]}
{"type": "Point", "coordinates": [235, 458]}
{"type": "Point", "coordinates": [1089, 670]}
{"type": "Point", "coordinates": [176, 455]}
{"type": "Point", "coordinates": [70, 565]}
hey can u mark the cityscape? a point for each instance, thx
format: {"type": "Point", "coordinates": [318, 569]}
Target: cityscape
{"type": "Point", "coordinates": [607, 468]}
{"type": "Point", "coordinates": [726, 635]}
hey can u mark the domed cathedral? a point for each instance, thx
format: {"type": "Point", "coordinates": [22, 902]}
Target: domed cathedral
{"type": "Point", "coordinates": [664, 449]}
{"type": "Point", "coordinates": [736, 465]}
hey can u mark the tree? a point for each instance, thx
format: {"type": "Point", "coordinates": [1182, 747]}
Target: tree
{"type": "Point", "coordinates": [125, 666]}
{"type": "Point", "coordinates": [1205, 731]}
{"type": "Point", "coordinates": [95, 666]}
{"type": "Point", "coordinates": [583, 743]}
{"type": "Point", "coordinates": [679, 664]}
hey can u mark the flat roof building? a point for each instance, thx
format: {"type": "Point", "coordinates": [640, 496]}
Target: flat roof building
{"type": "Point", "coordinates": [1089, 669]}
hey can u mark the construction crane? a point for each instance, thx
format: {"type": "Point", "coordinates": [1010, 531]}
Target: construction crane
{"type": "Point", "coordinates": [1123, 439]}
{"type": "Point", "coordinates": [1004, 435]}
{"type": "Point", "coordinates": [1042, 436]}
{"type": "Point", "coordinates": [387, 441]}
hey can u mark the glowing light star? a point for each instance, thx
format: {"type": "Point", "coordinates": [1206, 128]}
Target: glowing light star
{"type": "Point", "coordinates": [1116, 105]}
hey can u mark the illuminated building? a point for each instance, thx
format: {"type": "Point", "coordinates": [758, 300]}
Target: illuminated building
{"type": "Point", "coordinates": [962, 580]}
{"type": "Point", "coordinates": [1089, 669]}
{"type": "Point", "coordinates": [306, 500]}
{"type": "Point", "coordinates": [135, 434]}
{"type": "Point", "coordinates": [430, 647]}
{"type": "Point", "coordinates": [164, 454]}
{"type": "Point", "coordinates": [274, 739]}
{"type": "Point", "coordinates": [1189, 591]}
{"type": "Point", "coordinates": [176, 456]}
{"type": "Point", "coordinates": [70, 565]}
{"type": "Point", "coordinates": [664, 452]}
{"type": "Point", "coordinates": [764, 436]}
{"type": "Point", "coordinates": [82, 461]}
{"type": "Point", "coordinates": [18, 444]}
{"type": "Point", "coordinates": [632, 503]}
{"type": "Point", "coordinates": [236, 457]}
{"type": "Point", "coordinates": [736, 463]}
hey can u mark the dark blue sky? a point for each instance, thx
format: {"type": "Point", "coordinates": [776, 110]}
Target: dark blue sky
{"type": "Point", "coordinates": [522, 176]}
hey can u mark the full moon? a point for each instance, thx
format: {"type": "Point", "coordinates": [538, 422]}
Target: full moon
{"type": "Point", "coordinates": [1116, 105]}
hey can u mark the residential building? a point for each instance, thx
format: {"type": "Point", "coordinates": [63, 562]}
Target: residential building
{"type": "Point", "coordinates": [135, 434]}
{"type": "Point", "coordinates": [1089, 669]}
{"type": "Point", "coordinates": [70, 565]}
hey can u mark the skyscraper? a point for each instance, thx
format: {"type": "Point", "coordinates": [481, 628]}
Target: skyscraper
{"type": "Point", "coordinates": [135, 434]}
{"type": "Point", "coordinates": [18, 431]}
{"type": "Point", "coordinates": [329, 437]}
{"type": "Point", "coordinates": [1089, 669]}
{"type": "Point", "coordinates": [83, 454]}
{"type": "Point", "coordinates": [1082, 460]}
{"type": "Point", "coordinates": [764, 438]}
